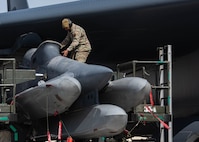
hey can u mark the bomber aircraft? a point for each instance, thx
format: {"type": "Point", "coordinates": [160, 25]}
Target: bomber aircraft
{"type": "Point", "coordinates": [119, 31]}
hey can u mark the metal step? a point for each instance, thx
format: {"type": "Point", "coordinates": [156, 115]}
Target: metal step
{"type": "Point", "coordinates": [7, 113]}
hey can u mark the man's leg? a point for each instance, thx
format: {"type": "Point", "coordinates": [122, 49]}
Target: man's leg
{"type": "Point", "coordinates": [81, 56]}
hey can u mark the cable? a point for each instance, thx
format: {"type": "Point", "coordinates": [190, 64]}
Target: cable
{"type": "Point", "coordinates": [47, 121]}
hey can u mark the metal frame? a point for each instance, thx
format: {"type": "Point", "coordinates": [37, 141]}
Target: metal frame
{"type": "Point", "coordinates": [162, 62]}
{"type": "Point", "coordinates": [7, 61]}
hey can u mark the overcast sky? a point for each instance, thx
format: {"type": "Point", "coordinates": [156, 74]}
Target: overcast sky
{"type": "Point", "coordinates": [3, 6]}
{"type": "Point", "coordinates": [34, 3]}
{"type": "Point", "coordinates": [37, 3]}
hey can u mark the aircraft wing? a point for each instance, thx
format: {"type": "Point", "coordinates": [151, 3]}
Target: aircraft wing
{"type": "Point", "coordinates": [141, 23]}
{"type": "Point", "coordinates": [76, 8]}
{"type": "Point", "coordinates": [52, 97]}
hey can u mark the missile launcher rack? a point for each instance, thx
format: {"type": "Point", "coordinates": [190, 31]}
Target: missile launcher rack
{"type": "Point", "coordinates": [7, 111]}
{"type": "Point", "coordinates": [159, 75]}
{"type": "Point", "coordinates": [10, 76]}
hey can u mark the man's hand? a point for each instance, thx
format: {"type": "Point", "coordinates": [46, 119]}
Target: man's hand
{"type": "Point", "coordinates": [65, 53]}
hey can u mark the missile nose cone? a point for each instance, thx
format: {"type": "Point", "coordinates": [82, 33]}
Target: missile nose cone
{"type": "Point", "coordinates": [126, 92]}
{"type": "Point", "coordinates": [95, 77]}
{"type": "Point", "coordinates": [113, 119]}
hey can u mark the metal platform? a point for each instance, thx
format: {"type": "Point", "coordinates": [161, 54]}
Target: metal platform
{"type": "Point", "coordinates": [161, 111]}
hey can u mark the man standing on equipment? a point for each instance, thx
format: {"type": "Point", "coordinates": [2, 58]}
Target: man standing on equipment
{"type": "Point", "coordinates": [76, 39]}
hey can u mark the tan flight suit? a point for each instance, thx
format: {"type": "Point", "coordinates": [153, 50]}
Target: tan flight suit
{"type": "Point", "coordinates": [79, 44]}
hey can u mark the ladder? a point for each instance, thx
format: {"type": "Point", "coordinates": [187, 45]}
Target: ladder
{"type": "Point", "coordinates": [161, 81]}
{"type": "Point", "coordinates": [7, 111]}
{"type": "Point", "coordinates": [10, 76]}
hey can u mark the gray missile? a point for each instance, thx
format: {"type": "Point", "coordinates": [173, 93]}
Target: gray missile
{"type": "Point", "coordinates": [103, 120]}
{"type": "Point", "coordinates": [126, 92]}
{"type": "Point", "coordinates": [65, 80]}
